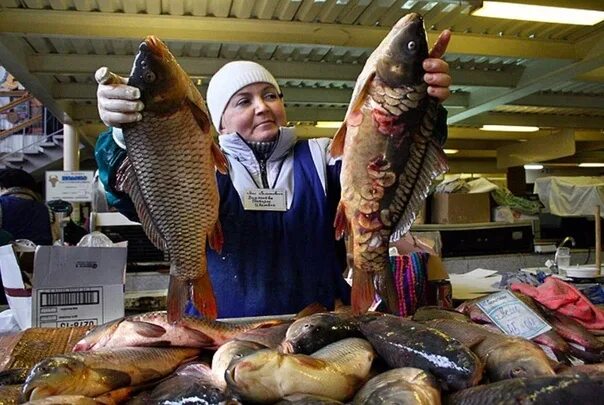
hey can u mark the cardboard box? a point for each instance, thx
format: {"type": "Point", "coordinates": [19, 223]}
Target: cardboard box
{"type": "Point", "coordinates": [461, 208]}
{"type": "Point", "coordinates": [71, 286]}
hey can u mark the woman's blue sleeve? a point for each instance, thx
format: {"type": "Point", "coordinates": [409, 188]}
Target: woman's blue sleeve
{"type": "Point", "coordinates": [108, 157]}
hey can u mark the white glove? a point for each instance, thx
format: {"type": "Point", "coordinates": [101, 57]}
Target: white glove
{"type": "Point", "coordinates": [117, 102]}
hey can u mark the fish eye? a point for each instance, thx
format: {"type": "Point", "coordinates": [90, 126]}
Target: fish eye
{"type": "Point", "coordinates": [149, 76]}
{"type": "Point", "coordinates": [411, 45]}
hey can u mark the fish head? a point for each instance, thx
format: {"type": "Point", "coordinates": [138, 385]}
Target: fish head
{"type": "Point", "coordinates": [512, 362]}
{"type": "Point", "coordinates": [156, 73]}
{"type": "Point", "coordinates": [246, 377]}
{"type": "Point", "coordinates": [303, 334]}
{"type": "Point", "coordinates": [97, 337]}
{"type": "Point", "coordinates": [406, 48]}
{"type": "Point", "coordinates": [53, 376]}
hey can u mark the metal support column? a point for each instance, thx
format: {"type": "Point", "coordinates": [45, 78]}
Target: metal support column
{"type": "Point", "coordinates": [71, 150]}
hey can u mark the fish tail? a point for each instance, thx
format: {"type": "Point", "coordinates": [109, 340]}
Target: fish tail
{"type": "Point", "coordinates": [178, 294]}
{"type": "Point", "coordinates": [363, 291]}
{"type": "Point", "coordinates": [203, 296]}
{"type": "Point", "coordinates": [340, 221]}
{"type": "Point", "coordinates": [386, 288]}
{"type": "Point", "coordinates": [216, 237]}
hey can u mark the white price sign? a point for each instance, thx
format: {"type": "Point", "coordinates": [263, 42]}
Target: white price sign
{"type": "Point", "coordinates": [513, 316]}
{"type": "Point", "coordinates": [69, 186]}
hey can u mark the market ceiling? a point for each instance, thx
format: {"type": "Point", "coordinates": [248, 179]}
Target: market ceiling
{"type": "Point", "coordinates": [504, 71]}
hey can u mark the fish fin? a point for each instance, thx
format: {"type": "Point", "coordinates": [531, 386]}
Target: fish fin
{"type": "Point", "coordinates": [309, 361]}
{"type": "Point", "coordinates": [384, 284]}
{"type": "Point", "coordinates": [158, 343]}
{"type": "Point", "coordinates": [198, 108]}
{"type": "Point", "coordinates": [353, 118]}
{"type": "Point", "coordinates": [149, 374]}
{"type": "Point", "coordinates": [126, 182]}
{"type": "Point", "coordinates": [336, 149]}
{"type": "Point", "coordinates": [200, 338]}
{"type": "Point", "coordinates": [178, 294]}
{"type": "Point", "coordinates": [116, 396]}
{"type": "Point", "coordinates": [341, 222]}
{"type": "Point", "coordinates": [428, 164]}
{"type": "Point", "coordinates": [216, 238]}
{"type": "Point", "coordinates": [113, 379]}
{"type": "Point", "coordinates": [203, 296]}
{"type": "Point", "coordinates": [314, 308]}
{"type": "Point", "coordinates": [474, 341]}
{"type": "Point", "coordinates": [147, 329]}
{"type": "Point", "coordinates": [363, 291]}
{"type": "Point", "coordinates": [220, 161]}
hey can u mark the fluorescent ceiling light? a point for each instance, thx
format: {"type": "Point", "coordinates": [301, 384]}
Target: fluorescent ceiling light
{"type": "Point", "coordinates": [591, 164]}
{"type": "Point", "coordinates": [529, 12]}
{"type": "Point", "coordinates": [451, 151]}
{"type": "Point", "coordinates": [509, 128]}
{"type": "Point", "coordinates": [328, 124]}
{"type": "Point", "coordinates": [533, 167]}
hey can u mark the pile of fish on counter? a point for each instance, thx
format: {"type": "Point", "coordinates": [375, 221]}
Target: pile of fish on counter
{"type": "Point", "coordinates": [438, 356]}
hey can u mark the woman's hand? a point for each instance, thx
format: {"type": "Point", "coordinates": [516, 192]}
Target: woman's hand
{"type": "Point", "coordinates": [437, 70]}
{"type": "Point", "coordinates": [117, 102]}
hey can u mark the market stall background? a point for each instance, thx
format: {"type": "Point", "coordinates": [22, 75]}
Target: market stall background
{"type": "Point", "coordinates": [504, 72]}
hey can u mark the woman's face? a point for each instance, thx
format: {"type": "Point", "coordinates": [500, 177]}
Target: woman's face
{"type": "Point", "coordinates": [255, 112]}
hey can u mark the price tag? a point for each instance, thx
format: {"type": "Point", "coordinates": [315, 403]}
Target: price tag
{"type": "Point", "coordinates": [513, 316]}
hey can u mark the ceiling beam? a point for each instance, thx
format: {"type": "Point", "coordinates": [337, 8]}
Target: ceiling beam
{"type": "Point", "coordinates": [238, 30]}
{"type": "Point", "coordinates": [531, 82]}
{"type": "Point", "coordinates": [52, 64]}
{"type": "Point", "coordinates": [561, 100]}
{"type": "Point", "coordinates": [538, 120]}
{"type": "Point", "coordinates": [13, 57]}
{"type": "Point", "coordinates": [293, 95]}
{"type": "Point", "coordinates": [85, 112]}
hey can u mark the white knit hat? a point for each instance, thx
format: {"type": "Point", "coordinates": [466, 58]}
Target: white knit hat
{"type": "Point", "coordinates": [231, 78]}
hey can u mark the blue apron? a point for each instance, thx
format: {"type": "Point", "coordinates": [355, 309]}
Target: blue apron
{"type": "Point", "coordinates": [278, 262]}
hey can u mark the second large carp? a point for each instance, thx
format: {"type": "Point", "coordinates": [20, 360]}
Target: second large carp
{"type": "Point", "coordinates": [390, 158]}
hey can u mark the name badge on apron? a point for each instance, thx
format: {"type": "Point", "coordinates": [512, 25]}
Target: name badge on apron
{"type": "Point", "coordinates": [264, 199]}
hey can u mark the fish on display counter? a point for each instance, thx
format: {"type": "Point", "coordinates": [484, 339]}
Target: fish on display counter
{"type": "Point", "coordinates": [407, 385]}
{"type": "Point", "coordinates": [98, 372]}
{"type": "Point", "coordinates": [404, 343]}
{"type": "Point", "coordinates": [169, 173]}
{"type": "Point", "coordinates": [535, 391]}
{"type": "Point", "coordinates": [311, 333]}
{"type": "Point", "coordinates": [192, 383]}
{"type": "Point", "coordinates": [336, 372]}
{"type": "Point", "coordinates": [389, 158]}
{"type": "Point", "coordinates": [504, 356]}
{"type": "Point", "coordinates": [154, 329]}
{"type": "Point", "coordinates": [229, 352]}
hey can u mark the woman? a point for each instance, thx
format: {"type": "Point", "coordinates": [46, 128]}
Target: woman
{"type": "Point", "coordinates": [278, 200]}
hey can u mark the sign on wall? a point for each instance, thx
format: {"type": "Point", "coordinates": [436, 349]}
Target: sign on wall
{"type": "Point", "coordinates": [69, 186]}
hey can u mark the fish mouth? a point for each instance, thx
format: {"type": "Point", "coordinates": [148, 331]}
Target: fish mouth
{"type": "Point", "coordinates": [154, 45]}
{"type": "Point", "coordinates": [229, 376]}
{"type": "Point", "coordinates": [408, 19]}
{"type": "Point", "coordinates": [32, 391]}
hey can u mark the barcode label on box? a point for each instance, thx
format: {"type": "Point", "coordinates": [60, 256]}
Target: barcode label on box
{"type": "Point", "coordinates": [53, 299]}
{"type": "Point", "coordinates": [66, 307]}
